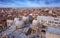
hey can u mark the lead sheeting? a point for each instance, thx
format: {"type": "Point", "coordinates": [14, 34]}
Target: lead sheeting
{"type": "Point", "coordinates": [53, 30]}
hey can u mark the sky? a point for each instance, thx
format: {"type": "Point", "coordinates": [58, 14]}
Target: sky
{"type": "Point", "coordinates": [29, 3]}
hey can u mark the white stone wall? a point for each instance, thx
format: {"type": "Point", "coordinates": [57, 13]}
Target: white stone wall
{"type": "Point", "coordinates": [35, 24]}
{"type": "Point", "coordinates": [51, 35]}
{"type": "Point", "coordinates": [49, 21]}
{"type": "Point", "coordinates": [9, 22]}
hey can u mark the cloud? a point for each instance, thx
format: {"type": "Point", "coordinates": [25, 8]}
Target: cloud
{"type": "Point", "coordinates": [29, 3]}
{"type": "Point", "coordinates": [20, 4]}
